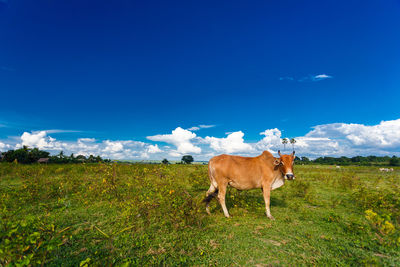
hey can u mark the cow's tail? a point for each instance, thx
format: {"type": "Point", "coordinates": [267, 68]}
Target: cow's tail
{"type": "Point", "coordinates": [208, 198]}
{"type": "Point", "coordinates": [213, 190]}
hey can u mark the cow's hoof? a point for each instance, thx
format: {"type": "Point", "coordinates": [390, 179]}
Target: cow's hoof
{"type": "Point", "coordinates": [208, 211]}
{"type": "Point", "coordinates": [271, 217]}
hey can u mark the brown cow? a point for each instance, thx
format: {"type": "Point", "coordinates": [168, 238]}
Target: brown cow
{"type": "Point", "coordinates": [264, 171]}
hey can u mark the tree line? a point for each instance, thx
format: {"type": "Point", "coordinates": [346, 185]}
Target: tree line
{"type": "Point", "coordinates": [357, 160]}
{"type": "Point", "coordinates": [187, 159]}
{"type": "Point", "coordinates": [28, 155]}
{"type": "Point", "coordinates": [344, 161]}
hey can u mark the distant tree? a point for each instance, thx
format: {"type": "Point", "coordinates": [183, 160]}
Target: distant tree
{"type": "Point", "coordinates": [81, 158]}
{"type": "Point", "coordinates": [293, 141]}
{"type": "Point", "coordinates": [7, 156]}
{"type": "Point", "coordinates": [305, 159]}
{"type": "Point", "coordinates": [394, 161]}
{"type": "Point", "coordinates": [21, 155]}
{"type": "Point", "coordinates": [91, 159]}
{"type": "Point", "coordinates": [284, 142]}
{"type": "Point", "coordinates": [26, 155]}
{"type": "Point", "coordinates": [342, 160]}
{"type": "Point", "coordinates": [165, 161]}
{"type": "Point", "coordinates": [187, 159]}
{"type": "Point", "coordinates": [35, 154]}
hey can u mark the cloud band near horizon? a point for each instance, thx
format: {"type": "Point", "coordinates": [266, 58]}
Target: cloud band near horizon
{"type": "Point", "coordinates": [334, 139]}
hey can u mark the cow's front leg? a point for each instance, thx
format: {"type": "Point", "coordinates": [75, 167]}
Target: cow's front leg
{"type": "Point", "coordinates": [221, 198]}
{"type": "Point", "coordinates": [266, 193]}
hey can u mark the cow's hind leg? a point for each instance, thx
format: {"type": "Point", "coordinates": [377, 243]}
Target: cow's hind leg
{"type": "Point", "coordinates": [221, 198]}
{"type": "Point", "coordinates": [211, 193]}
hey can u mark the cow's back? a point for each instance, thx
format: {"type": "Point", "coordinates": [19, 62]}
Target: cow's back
{"type": "Point", "coordinates": [239, 172]}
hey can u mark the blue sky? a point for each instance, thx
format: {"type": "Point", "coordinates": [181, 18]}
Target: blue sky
{"type": "Point", "coordinates": [117, 72]}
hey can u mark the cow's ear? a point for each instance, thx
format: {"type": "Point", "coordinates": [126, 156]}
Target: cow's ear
{"type": "Point", "coordinates": [277, 162]}
{"type": "Point", "coordinates": [279, 153]}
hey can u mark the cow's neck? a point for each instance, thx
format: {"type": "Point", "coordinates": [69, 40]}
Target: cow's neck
{"type": "Point", "coordinates": [279, 180]}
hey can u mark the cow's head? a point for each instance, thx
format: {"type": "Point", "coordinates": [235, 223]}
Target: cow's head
{"type": "Point", "coordinates": [285, 164]}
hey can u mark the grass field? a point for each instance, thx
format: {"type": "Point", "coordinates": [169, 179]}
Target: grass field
{"type": "Point", "coordinates": [153, 215]}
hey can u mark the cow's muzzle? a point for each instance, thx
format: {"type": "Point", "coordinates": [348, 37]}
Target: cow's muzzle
{"type": "Point", "coordinates": [289, 176]}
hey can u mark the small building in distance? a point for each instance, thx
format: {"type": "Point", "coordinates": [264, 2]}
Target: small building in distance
{"type": "Point", "coordinates": [43, 160]}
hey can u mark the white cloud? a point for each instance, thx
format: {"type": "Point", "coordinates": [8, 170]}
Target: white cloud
{"type": "Point", "coordinates": [114, 149]}
{"type": "Point", "coordinates": [126, 149]}
{"type": "Point", "coordinates": [4, 146]}
{"type": "Point", "coordinates": [233, 143]}
{"type": "Point", "coordinates": [34, 139]}
{"type": "Point", "coordinates": [194, 128]}
{"type": "Point", "coordinates": [175, 154]}
{"type": "Point", "coordinates": [316, 147]}
{"type": "Point", "coordinates": [91, 140]}
{"type": "Point", "coordinates": [322, 76]}
{"type": "Point", "coordinates": [113, 146]}
{"type": "Point", "coordinates": [181, 139]}
{"type": "Point", "coordinates": [40, 140]}
{"type": "Point", "coordinates": [152, 149]}
{"type": "Point", "coordinates": [308, 78]}
{"type": "Point", "coordinates": [286, 78]}
{"type": "Point", "coordinates": [384, 135]}
{"type": "Point", "coordinates": [350, 139]}
{"type": "Point", "coordinates": [206, 126]}
{"type": "Point", "coordinates": [315, 78]}
{"type": "Point", "coordinates": [61, 131]}
{"type": "Point", "coordinates": [201, 126]}
{"type": "Point", "coordinates": [271, 141]}
{"type": "Point", "coordinates": [335, 139]}
{"type": "Point", "coordinates": [339, 139]}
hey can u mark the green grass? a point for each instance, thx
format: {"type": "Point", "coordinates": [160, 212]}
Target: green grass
{"type": "Point", "coordinates": [153, 215]}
